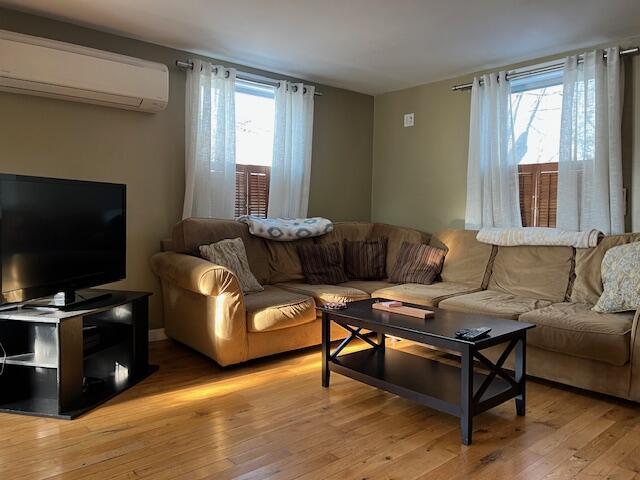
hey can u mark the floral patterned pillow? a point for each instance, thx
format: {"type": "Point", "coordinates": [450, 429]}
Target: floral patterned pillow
{"type": "Point", "coordinates": [621, 279]}
{"type": "Point", "coordinates": [230, 253]}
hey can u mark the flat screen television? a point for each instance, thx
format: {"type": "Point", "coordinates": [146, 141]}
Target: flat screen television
{"type": "Point", "coordinates": [58, 236]}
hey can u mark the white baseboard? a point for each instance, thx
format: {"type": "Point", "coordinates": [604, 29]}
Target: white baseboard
{"type": "Point", "coordinates": [157, 334]}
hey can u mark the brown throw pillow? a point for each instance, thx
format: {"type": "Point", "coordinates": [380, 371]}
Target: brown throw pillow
{"type": "Point", "coordinates": [366, 259]}
{"type": "Point", "coordinates": [417, 263]}
{"type": "Point", "coordinates": [322, 263]}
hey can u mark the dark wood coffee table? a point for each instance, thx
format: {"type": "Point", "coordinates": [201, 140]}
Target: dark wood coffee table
{"type": "Point", "coordinates": [462, 391]}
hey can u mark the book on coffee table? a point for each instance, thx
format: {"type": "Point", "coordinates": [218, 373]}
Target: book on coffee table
{"type": "Point", "coordinates": [398, 307]}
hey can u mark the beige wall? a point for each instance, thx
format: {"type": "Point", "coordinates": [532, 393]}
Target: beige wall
{"type": "Point", "coordinates": [420, 173]}
{"type": "Point", "coordinates": [48, 137]}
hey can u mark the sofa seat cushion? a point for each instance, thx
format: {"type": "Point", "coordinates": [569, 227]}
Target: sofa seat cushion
{"type": "Point", "coordinates": [323, 294]}
{"type": "Point", "coordinates": [489, 302]}
{"type": "Point", "coordinates": [575, 329]}
{"type": "Point", "coordinates": [274, 309]}
{"type": "Point", "coordinates": [428, 295]}
{"type": "Point", "coordinates": [367, 286]}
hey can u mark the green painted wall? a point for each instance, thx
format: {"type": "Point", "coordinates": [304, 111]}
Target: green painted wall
{"type": "Point", "coordinates": [47, 137]}
{"type": "Point", "coordinates": [420, 173]}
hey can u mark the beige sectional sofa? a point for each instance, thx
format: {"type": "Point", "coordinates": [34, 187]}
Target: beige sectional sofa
{"type": "Point", "coordinates": [205, 309]}
{"type": "Point", "coordinates": [552, 287]}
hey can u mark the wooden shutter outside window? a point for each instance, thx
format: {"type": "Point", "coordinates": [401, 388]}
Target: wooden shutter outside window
{"type": "Point", "coordinates": [241, 190]}
{"type": "Point", "coordinates": [538, 194]}
{"type": "Point", "coordinates": [252, 190]}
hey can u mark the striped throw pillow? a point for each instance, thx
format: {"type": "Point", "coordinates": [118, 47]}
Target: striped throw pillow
{"type": "Point", "coordinates": [322, 263]}
{"type": "Point", "coordinates": [417, 263]}
{"type": "Point", "coordinates": [366, 260]}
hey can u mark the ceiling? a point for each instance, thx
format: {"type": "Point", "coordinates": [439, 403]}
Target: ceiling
{"type": "Point", "coordinates": [370, 46]}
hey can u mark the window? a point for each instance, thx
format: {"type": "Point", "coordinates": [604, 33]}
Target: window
{"type": "Point", "coordinates": [536, 103]}
{"type": "Point", "coordinates": [255, 118]}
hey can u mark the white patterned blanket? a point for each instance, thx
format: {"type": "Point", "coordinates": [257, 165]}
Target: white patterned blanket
{"type": "Point", "coordinates": [510, 237]}
{"type": "Point", "coordinates": [286, 229]}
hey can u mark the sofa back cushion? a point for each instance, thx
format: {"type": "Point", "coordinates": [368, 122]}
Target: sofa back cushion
{"type": "Point", "coordinates": [468, 261]}
{"type": "Point", "coordinates": [539, 272]}
{"type": "Point", "coordinates": [284, 260]}
{"type": "Point", "coordinates": [587, 286]}
{"type": "Point", "coordinates": [275, 262]}
{"type": "Point", "coordinates": [283, 257]}
{"type": "Point", "coordinates": [396, 236]}
{"type": "Point", "coordinates": [346, 231]}
{"type": "Point", "coordinates": [189, 234]}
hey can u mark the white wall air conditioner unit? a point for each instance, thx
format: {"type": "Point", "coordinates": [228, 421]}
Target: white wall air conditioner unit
{"type": "Point", "coordinates": [48, 68]}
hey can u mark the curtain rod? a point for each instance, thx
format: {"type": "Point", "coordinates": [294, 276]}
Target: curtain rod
{"type": "Point", "coordinates": [247, 77]}
{"type": "Point", "coordinates": [548, 68]}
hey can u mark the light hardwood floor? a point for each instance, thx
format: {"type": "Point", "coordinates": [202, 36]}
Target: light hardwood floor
{"type": "Point", "coordinates": [271, 419]}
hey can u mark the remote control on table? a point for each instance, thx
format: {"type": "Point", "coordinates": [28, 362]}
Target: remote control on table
{"type": "Point", "coordinates": [472, 334]}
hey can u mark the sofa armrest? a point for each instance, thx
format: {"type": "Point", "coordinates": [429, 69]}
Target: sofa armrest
{"type": "Point", "coordinates": [634, 384]}
{"type": "Point", "coordinates": [203, 306]}
{"type": "Point", "coordinates": [195, 274]}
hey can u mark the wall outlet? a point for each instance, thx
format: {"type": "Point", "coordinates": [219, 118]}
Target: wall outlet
{"type": "Point", "coordinates": [408, 119]}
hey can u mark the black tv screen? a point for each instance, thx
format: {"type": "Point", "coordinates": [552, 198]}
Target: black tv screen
{"type": "Point", "coordinates": [59, 235]}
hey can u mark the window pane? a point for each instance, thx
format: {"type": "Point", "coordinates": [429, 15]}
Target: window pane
{"type": "Point", "coordinates": [255, 116]}
{"type": "Point", "coordinates": [536, 103]}
{"type": "Point", "coordinates": [537, 109]}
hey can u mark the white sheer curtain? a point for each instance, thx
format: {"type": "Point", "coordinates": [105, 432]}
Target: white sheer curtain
{"type": "Point", "coordinates": [210, 135]}
{"type": "Point", "coordinates": [590, 194]}
{"type": "Point", "coordinates": [291, 166]}
{"type": "Point", "coordinates": [492, 171]}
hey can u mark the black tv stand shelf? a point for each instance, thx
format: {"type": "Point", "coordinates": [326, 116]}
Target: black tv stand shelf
{"type": "Point", "coordinates": [64, 363]}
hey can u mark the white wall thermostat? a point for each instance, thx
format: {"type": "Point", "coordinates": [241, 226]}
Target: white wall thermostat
{"type": "Point", "coordinates": [408, 119]}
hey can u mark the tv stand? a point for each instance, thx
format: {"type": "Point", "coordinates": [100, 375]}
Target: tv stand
{"type": "Point", "coordinates": [64, 363]}
{"type": "Point", "coordinates": [67, 300]}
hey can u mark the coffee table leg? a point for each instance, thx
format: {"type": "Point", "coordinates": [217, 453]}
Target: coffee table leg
{"type": "Point", "coordinates": [326, 348]}
{"type": "Point", "coordinates": [520, 370]}
{"type": "Point", "coordinates": [466, 396]}
{"type": "Point", "coordinates": [381, 341]}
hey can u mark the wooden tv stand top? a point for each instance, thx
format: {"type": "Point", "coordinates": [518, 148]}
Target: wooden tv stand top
{"type": "Point", "coordinates": [26, 314]}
